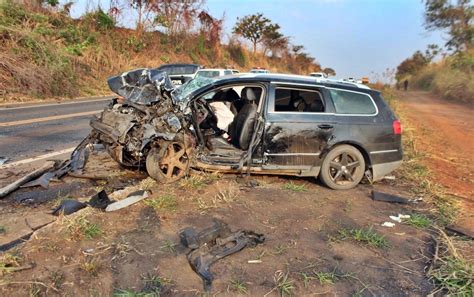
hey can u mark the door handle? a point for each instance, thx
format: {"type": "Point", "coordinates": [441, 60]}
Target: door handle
{"type": "Point", "coordinates": [325, 126]}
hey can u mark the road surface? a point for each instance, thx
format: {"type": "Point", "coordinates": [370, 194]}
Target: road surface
{"type": "Point", "coordinates": [45, 130]}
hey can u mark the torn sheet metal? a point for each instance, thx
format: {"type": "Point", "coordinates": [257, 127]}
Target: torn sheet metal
{"type": "Point", "coordinates": [131, 199]}
{"type": "Point", "coordinates": [213, 244]}
{"type": "Point", "coordinates": [379, 196]}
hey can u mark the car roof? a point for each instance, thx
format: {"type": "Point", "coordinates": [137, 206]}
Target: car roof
{"type": "Point", "coordinates": [178, 64]}
{"type": "Point", "coordinates": [214, 69]}
{"type": "Point", "coordinates": [291, 78]}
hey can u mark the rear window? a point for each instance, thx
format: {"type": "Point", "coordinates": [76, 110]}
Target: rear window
{"type": "Point", "coordinates": [352, 103]}
{"type": "Point", "coordinates": [207, 73]}
{"type": "Point", "coordinates": [179, 69]}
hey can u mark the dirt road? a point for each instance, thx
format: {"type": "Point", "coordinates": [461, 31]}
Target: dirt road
{"type": "Point", "coordinates": [447, 136]}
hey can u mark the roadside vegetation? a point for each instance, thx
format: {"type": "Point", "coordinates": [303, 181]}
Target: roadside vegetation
{"type": "Point", "coordinates": [447, 71]}
{"type": "Point", "coordinates": [46, 53]}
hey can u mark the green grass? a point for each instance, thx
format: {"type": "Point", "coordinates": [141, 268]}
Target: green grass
{"type": "Point", "coordinates": [285, 286]}
{"type": "Point", "coordinates": [168, 246]}
{"type": "Point", "coordinates": [455, 276]}
{"type": "Point", "coordinates": [153, 287]}
{"type": "Point", "coordinates": [419, 221]}
{"type": "Point", "coordinates": [80, 227]}
{"type": "Point", "coordinates": [326, 278]}
{"type": "Point", "coordinates": [3, 230]}
{"type": "Point", "coordinates": [280, 249]}
{"type": "Point", "coordinates": [193, 182]}
{"type": "Point", "coordinates": [294, 187]}
{"type": "Point", "coordinates": [163, 202]}
{"type": "Point", "coordinates": [364, 235]}
{"type": "Point", "coordinates": [238, 286]}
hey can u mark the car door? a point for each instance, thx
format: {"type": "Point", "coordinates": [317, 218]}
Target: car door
{"type": "Point", "coordinates": [296, 132]}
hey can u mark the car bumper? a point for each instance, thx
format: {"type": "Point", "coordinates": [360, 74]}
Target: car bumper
{"type": "Point", "coordinates": [382, 169]}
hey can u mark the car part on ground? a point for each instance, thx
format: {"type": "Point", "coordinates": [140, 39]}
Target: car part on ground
{"type": "Point", "coordinates": [68, 206]}
{"type": "Point", "coordinates": [213, 244]}
{"type": "Point", "coordinates": [379, 196]}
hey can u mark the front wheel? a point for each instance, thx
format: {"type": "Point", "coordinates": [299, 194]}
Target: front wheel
{"type": "Point", "coordinates": [343, 168]}
{"type": "Point", "coordinates": [169, 163]}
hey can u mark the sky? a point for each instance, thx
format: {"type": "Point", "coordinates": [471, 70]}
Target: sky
{"type": "Point", "coordinates": [354, 37]}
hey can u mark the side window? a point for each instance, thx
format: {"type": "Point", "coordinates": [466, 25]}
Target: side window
{"type": "Point", "coordinates": [352, 103]}
{"type": "Point", "coordinates": [227, 72]}
{"type": "Point", "coordinates": [298, 100]}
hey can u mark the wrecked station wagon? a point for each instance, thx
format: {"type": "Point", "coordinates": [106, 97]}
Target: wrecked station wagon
{"type": "Point", "coordinates": [254, 123]}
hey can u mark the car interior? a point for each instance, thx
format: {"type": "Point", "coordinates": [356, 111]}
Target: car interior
{"type": "Point", "coordinates": [296, 100]}
{"type": "Point", "coordinates": [227, 145]}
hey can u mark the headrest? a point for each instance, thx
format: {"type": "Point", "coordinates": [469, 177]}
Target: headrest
{"type": "Point", "coordinates": [251, 94]}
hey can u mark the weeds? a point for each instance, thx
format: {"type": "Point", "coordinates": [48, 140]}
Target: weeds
{"type": "Point", "coordinates": [8, 261]}
{"type": "Point", "coordinates": [306, 278]}
{"type": "Point", "coordinates": [193, 182]}
{"type": "Point", "coordinates": [237, 286]}
{"type": "Point", "coordinates": [153, 286]}
{"type": "Point", "coordinates": [79, 227]}
{"type": "Point", "coordinates": [166, 202]}
{"type": "Point", "coordinates": [91, 266]}
{"type": "Point", "coordinates": [294, 187]}
{"type": "Point", "coordinates": [283, 284]}
{"type": "Point", "coordinates": [326, 278]}
{"type": "Point", "coordinates": [168, 246]}
{"type": "Point", "coordinates": [57, 279]}
{"type": "Point", "coordinates": [3, 230]}
{"type": "Point", "coordinates": [365, 236]}
{"type": "Point", "coordinates": [280, 249]}
{"type": "Point", "coordinates": [226, 195]}
{"type": "Point", "coordinates": [419, 221]}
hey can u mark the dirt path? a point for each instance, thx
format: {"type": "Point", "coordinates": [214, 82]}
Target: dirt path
{"type": "Point", "coordinates": [447, 130]}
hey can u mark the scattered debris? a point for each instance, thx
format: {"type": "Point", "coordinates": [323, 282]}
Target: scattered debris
{"type": "Point", "coordinates": [131, 199]}
{"type": "Point", "coordinates": [460, 230]}
{"type": "Point", "coordinates": [389, 177]}
{"type": "Point", "coordinates": [379, 196]}
{"type": "Point", "coordinates": [399, 218]}
{"type": "Point", "coordinates": [254, 261]}
{"type": "Point", "coordinates": [15, 185]}
{"type": "Point", "coordinates": [213, 244]}
{"type": "Point", "coordinates": [3, 160]}
{"type": "Point", "coordinates": [68, 207]}
{"type": "Point", "coordinates": [388, 224]}
{"type": "Point", "coordinates": [100, 200]}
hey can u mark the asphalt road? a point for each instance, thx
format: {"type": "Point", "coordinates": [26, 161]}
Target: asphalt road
{"type": "Point", "coordinates": [45, 129]}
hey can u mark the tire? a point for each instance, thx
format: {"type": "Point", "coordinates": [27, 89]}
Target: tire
{"type": "Point", "coordinates": [168, 164]}
{"type": "Point", "coordinates": [343, 168]}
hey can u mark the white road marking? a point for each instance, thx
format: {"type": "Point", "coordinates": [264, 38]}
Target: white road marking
{"type": "Point", "coordinates": [55, 104]}
{"type": "Point", "coordinates": [51, 118]}
{"type": "Point", "coordinates": [41, 157]}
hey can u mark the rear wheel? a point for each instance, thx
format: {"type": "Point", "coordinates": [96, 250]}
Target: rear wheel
{"type": "Point", "coordinates": [169, 163]}
{"type": "Point", "coordinates": [343, 168]}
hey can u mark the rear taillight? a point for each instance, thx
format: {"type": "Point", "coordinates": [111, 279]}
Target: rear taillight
{"type": "Point", "coordinates": [397, 127]}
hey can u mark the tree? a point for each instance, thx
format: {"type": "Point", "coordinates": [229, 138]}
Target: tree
{"type": "Point", "coordinates": [144, 9]}
{"type": "Point", "coordinates": [456, 16]}
{"type": "Point", "coordinates": [252, 27]}
{"type": "Point", "coordinates": [273, 40]}
{"type": "Point", "coordinates": [176, 16]}
{"type": "Point", "coordinates": [211, 27]}
{"type": "Point", "coordinates": [412, 65]}
{"type": "Point", "coordinates": [329, 71]}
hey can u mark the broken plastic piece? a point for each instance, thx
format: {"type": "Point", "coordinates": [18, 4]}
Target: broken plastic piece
{"type": "Point", "coordinates": [131, 199]}
{"type": "Point", "coordinates": [379, 196]}
{"type": "Point", "coordinates": [100, 200]}
{"type": "Point", "coordinates": [388, 224]}
{"type": "Point", "coordinates": [399, 218]}
{"type": "Point", "coordinates": [215, 243]}
{"type": "Point", "coordinates": [68, 207]}
{"type": "Point", "coordinates": [3, 160]}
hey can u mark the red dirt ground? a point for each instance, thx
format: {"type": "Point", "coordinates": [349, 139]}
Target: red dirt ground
{"type": "Point", "coordinates": [447, 130]}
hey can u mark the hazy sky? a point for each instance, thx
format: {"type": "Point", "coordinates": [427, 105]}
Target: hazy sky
{"type": "Point", "coordinates": [354, 37]}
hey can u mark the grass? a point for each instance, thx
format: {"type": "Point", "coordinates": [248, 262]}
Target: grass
{"type": "Point", "coordinates": [3, 230]}
{"type": "Point", "coordinates": [283, 284]}
{"type": "Point", "coordinates": [168, 246]}
{"type": "Point", "coordinates": [79, 227]}
{"type": "Point", "coordinates": [57, 279]}
{"type": "Point", "coordinates": [455, 276]}
{"type": "Point", "coordinates": [91, 266]}
{"type": "Point", "coordinates": [9, 261]}
{"type": "Point", "coordinates": [364, 235]}
{"type": "Point", "coordinates": [153, 286]}
{"type": "Point", "coordinates": [280, 249]}
{"type": "Point", "coordinates": [163, 202]}
{"type": "Point", "coordinates": [294, 187]}
{"type": "Point", "coordinates": [238, 286]}
{"type": "Point", "coordinates": [326, 278]}
{"type": "Point", "coordinates": [419, 221]}
{"type": "Point", "coordinates": [193, 182]}
{"type": "Point", "coordinates": [226, 195]}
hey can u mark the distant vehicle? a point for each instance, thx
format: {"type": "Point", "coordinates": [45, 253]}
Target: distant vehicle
{"type": "Point", "coordinates": [180, 73]}
{"type": "Point", "coordinates": [318, 74]}
{"type": "Point", "coordinates": [259, 70]}
{"type": "Point", "coordinates": [212, 72]}
{"type": "Point", "coordinates": [234, 71]}
{"type": "Point", "coordinates": [350, 79]}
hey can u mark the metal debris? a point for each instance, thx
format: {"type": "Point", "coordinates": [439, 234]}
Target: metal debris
{"type": "Point", "coordinates": [3, 160]}
{"type": "Point", "coordinates": [213, 244]}
{"type": "Point", "coordinates": [131, 199]}
{"type": "Point", "coordinates": [68, 207]}
{"type": "Point", "coordinates": [100, 200]}
{"type": "Point", "coordinates": [15, 185]}
{"type": "Point", "coordinates": [379, 196]}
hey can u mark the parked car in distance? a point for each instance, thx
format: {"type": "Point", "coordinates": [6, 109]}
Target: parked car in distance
{"type": "Point", "coordinates": [234, 71]}
{"type": "Point", "coordinates": [180, 73]}
{"type": "Point", "coordinates": [259, 70]}
{"type": "Point", "coordinates": [318, 74]}
{"type": "Point", "coordinates": [212, 72]}
{"type": "Point", "coordinates": [282, 124]}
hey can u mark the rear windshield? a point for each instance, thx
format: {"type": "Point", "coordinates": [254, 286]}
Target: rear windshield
{"type": "Point", "coordinates": [179, 69]}
{"type": "Point", "coordinates": [347, 102]}
{"type": "Point", "coordinates": [210, 73]}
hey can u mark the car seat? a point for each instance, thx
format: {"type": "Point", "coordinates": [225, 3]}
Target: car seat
{"type": "Point", "coordinates": [242, 127]}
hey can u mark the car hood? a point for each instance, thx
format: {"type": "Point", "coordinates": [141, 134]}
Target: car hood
{"type": "Point", "coordinates": [142, 86]}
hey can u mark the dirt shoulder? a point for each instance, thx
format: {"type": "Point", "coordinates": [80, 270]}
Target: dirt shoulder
{"type": "Point", "coordinates": [445, 134]}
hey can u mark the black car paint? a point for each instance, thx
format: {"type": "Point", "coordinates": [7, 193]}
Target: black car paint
{"type": "Point", "coordinates": [303, 139]}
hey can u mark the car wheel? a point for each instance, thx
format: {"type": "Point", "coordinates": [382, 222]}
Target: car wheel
{"type": "Point", "coordinates": [343, 168]}
{"type": "Point", "coordinates": [168, 164]}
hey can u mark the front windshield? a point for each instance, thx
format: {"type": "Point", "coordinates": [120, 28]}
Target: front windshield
{"type": "Point", "coordinates": [186, 89]}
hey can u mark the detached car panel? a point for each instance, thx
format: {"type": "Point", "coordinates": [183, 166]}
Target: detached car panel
{"type": "Point", "coordinates": [270, 124]}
